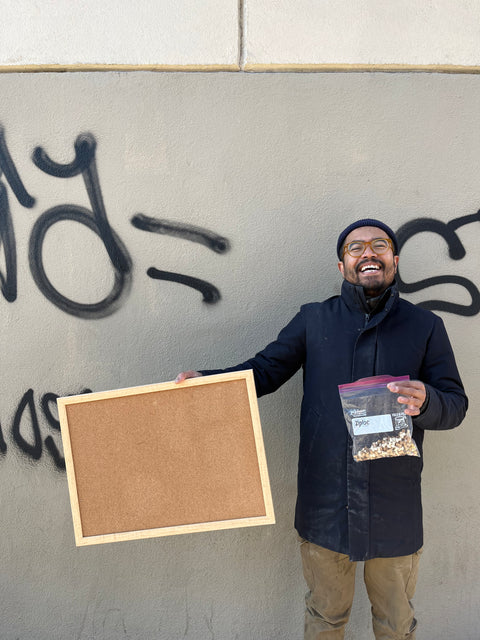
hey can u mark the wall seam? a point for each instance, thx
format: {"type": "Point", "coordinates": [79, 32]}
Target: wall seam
{"type": "Point", "coordinates": [359, 68]}
{"type": "Point", "coordinates": [244, 67]}
{"type": "Point", "coordinates": [101, 67]}
{"type": "Point", "coordinates": [242, 27]}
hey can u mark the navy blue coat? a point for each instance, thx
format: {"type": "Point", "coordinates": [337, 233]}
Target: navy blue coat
{"type": "Point", "coordinates": [372, 508]}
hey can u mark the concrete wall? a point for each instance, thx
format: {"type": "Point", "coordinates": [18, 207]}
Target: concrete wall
{"type": "Point", "coordinates": [241, 34]}
{"type": "Point", "coordinates": [277, 164]}
{"type": "Point", "coordinates": [352, 32]}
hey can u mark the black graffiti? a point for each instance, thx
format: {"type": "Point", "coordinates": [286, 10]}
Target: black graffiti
{"type": "Point", "coordinates": [3, 444]}
{"type": "Point", "coordinates": [10, 172]}
{"type": "Point", "coordinates": [456, 251]}
{"type": "Point", "coordinates": [84, 163]}
{"type": "Point", "coordinates": [95, 219]}
{"type": "Point", "coordinates": [26, 429]}
{"type": "Point", "coordinates": [209, 239]}
{"type": "Point", "coordinates": [49, 399]}
{"type": "Point", "coordinates": [7, 233]}
{"type": "Point", "coordinates": [210, 293]}
{"type": "Point", "coordinates": [213, 241]}
{"type": "Point", "coordinates": [32, 449]}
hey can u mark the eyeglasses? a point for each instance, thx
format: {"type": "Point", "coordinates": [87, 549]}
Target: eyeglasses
{"type": "Point", "coordinates": [377, 245]}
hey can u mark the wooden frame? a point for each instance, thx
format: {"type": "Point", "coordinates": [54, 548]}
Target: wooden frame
{"type": "Point", "coordinates": [165, 459]}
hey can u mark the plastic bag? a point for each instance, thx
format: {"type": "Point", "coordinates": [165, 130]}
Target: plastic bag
{"type": "Point", "coordinates": [376, 422]}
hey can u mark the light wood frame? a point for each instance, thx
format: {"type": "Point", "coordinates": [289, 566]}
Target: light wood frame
{"type": "Point", "coordinates": [165, 459]}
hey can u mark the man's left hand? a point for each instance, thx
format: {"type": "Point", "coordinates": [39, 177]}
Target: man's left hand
{"type": "Point", "coordinates": [412, 393]}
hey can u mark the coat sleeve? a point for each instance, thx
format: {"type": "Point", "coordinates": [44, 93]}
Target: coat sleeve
{"type": "Point", "coordinates": [277, 363]}
{"type": "Point", "coordinates": [447, 402]}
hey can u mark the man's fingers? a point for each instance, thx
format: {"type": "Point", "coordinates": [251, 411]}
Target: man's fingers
{"type": "Point", "coordinates": [411, 393]}
{"type": "Point", "coordinates": [187, 374]}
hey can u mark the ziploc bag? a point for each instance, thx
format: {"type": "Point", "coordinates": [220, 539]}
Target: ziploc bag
{"type": "Point", "coordinates": [376, 422]}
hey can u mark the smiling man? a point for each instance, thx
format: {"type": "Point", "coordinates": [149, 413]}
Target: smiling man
{"type": "Point", "coordinates": [369, 511]}
{"type": "Point", "coordinates": [368, 258]}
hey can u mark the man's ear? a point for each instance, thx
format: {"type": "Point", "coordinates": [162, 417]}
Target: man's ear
{"type": "Point", "coordinates": [340, 267]}
{"type": "Point", "coordinates": [395, 260]}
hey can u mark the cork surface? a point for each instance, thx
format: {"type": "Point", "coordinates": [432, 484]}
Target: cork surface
{"type": "Point", "coordinates": [165, 458]}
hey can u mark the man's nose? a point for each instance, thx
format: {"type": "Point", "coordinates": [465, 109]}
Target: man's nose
{"type": "Point", "coordinates": [368, 251]}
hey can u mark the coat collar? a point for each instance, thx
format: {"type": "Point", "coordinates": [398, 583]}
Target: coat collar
{"type": "Point", "coordinates": [354, 297]}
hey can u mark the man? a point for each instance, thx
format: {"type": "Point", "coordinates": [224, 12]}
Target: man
{"type": "Point", "coordinates": [370, 511]}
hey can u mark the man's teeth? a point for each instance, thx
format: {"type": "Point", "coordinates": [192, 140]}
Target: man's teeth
{"type": "Point", "coordinates": [369, 267]}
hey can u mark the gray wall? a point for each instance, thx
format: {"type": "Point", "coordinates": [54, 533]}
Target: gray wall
{"type": "Point", "coordinates": [277, 164]}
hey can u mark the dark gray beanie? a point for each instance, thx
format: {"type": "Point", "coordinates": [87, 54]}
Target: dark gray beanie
{"type": "Point", "coordinates": [366, 222]}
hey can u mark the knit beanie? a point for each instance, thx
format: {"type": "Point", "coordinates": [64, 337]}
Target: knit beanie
{"type": "Point", "coordinates": [366, 222]}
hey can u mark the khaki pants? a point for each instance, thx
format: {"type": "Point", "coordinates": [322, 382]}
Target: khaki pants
{"type": "Point", "coordinates": [330, 577]}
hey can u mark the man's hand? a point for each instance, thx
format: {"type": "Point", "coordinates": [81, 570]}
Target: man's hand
{"type": "Point", "coordinates": [412, 393]}
{"type": "Point", "coordinates": [187, 374]}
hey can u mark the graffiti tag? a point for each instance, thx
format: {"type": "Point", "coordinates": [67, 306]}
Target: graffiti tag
{"type": "Point", "coordinates": [26, 433]}
{"type": "Point", "coordinates": [456, 251]}
{"type": "Point", "coordinates": [96, 220]}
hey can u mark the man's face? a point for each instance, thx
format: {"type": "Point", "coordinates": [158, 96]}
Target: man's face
{"type": "Point", "coordinates": [371, 271]}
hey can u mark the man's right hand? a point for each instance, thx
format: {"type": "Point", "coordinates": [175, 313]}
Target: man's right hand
{"type": "Point", "coordinates": [187, 374]}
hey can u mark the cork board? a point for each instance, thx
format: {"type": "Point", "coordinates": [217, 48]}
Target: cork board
{"type": "Point", "coordinates": [165, 459]}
